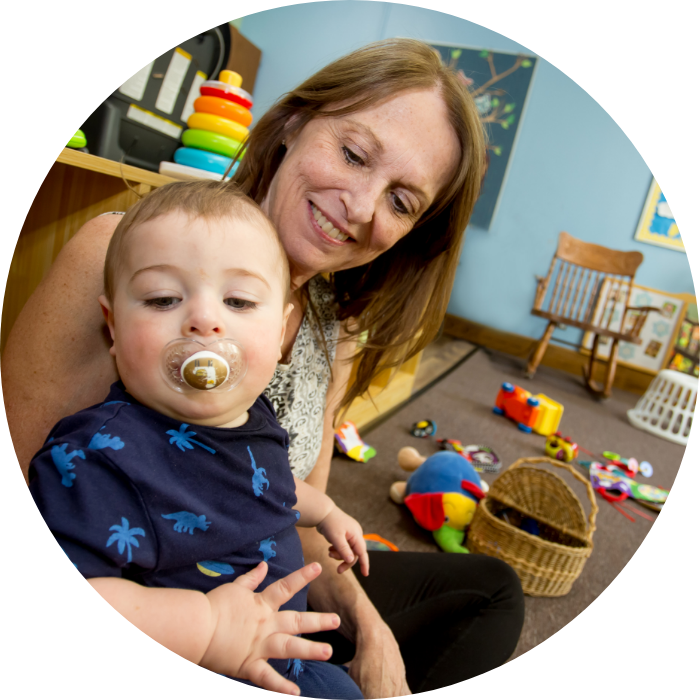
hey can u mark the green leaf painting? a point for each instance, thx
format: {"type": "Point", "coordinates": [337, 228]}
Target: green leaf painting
{"type": "Point", "coordinates": [499, 84]}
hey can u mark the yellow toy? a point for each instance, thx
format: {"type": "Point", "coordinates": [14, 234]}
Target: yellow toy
{"type": "Point", "coordinates": [562, 448]}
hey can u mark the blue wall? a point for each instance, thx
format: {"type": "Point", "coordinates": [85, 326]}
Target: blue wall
{"type": "Point", "coordinates": [572, 168]}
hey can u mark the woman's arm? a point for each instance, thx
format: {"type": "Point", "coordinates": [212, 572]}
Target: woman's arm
{"type": "Point", "coordinates": [377, 667]}
{"type": "Point", "coordinates": [59, 335]}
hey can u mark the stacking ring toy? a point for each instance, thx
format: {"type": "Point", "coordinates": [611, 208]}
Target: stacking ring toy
{"type": "Point", "coordinates": [224, 108]}
{"type": "Point", "coordinates": [204, 160]}
{"type": "Point", "coordinates": [215, 88]}
{"type": "Point", "coordinates": [78, 141]}
{"type": "Point", "coordinates": [209, 141]}
{"type": "Point", "coordinates": [219, 125]}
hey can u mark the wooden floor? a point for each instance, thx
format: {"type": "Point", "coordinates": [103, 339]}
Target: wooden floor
{"type": "Point", "coordinates": [440, 357]}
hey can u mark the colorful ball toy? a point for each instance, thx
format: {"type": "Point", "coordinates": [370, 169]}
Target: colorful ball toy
{"type": "Point", "coordinates": [218, 128]}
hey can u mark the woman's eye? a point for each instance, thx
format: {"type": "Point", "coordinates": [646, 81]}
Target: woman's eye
{"type": "Point", "coordinates": [399, 205]}
{"type": "Point", "coordinates": [352, 157]}
{"type": "Point", "coordinates": [240, 304]}
{"type": "Point", "coordinates": [162, 302]}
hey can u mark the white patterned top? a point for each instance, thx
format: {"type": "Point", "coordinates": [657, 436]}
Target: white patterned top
{"type": "Point", "coordinates": [298, 390]}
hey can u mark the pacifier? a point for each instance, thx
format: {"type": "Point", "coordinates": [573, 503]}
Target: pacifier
{"type": "Point", "coordinates": [190, 365]}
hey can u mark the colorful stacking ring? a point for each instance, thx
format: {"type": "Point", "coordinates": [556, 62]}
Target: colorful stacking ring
{"type": "Point", "coordinates": [204, 160]}
{"type": "Point", "coordinates": [78, 140]}
{"type": "Point", "coordinates": [224, 108]}
{"type": "Point", "coordinates": [215, 88]}
{"type": "Point", "coordinates": [219, 125]}
{"type": "Point", "coordinates": [209, 141]}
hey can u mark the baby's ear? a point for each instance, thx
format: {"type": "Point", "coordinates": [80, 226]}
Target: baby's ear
{"type": "Point", "coordinates": [285, 317]}
{"type": "Point", "coordinates": [107, 312]}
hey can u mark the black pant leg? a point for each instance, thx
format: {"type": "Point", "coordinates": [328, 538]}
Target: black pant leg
{"type": "Point", "coordinates": [454, 616]}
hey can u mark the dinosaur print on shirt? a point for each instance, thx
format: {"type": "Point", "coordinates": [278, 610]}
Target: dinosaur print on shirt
{"type": "Point", "coordinates": [259, 479]}
{"type": "Point", "coordinates": [187, 522]}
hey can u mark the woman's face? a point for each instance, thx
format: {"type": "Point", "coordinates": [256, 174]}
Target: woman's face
{"type": "Point", "coordinates": [350, 187]}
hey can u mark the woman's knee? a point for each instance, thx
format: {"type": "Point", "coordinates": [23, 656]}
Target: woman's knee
{"type": "Point", "coordinates": [502, 574]}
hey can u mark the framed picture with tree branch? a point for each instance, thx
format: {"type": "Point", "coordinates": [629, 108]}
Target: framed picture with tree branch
{"type": "Point", "coordinates": [500, 84]}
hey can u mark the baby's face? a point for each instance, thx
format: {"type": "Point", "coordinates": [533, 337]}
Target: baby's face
{"type": "Point", "coordinates": [187, 277]}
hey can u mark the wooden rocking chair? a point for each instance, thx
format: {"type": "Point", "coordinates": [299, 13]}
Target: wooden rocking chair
{"type": "Point", "coordinates": [584, 285]}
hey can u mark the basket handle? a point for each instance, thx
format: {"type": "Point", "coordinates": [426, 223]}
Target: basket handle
{"type": "Point", "coordinates": [576, 475]}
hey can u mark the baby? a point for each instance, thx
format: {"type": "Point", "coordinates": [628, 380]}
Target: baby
{"type": "Point", "coordinates": [175, 496]}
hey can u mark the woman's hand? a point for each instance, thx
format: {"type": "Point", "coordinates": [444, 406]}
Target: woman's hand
{"type": "Point", "coordinates": [248, 629]}
{"type": "Point", "coordinates": [377, 666]}
{"type": "Point", "coordinates": [347, 543]}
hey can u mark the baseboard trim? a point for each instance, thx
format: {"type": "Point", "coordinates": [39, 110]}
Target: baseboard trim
{"type": "Point", "coordinates": [626, 378]}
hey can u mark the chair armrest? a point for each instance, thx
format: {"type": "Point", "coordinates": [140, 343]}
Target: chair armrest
{"type": "Point", "coordinates": [648, 309]}
{"type": "Point", "coordinates": [540, 291]}
{"type": "Point", "coordinates": [642, 313]}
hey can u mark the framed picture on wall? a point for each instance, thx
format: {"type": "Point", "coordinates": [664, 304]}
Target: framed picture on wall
{"type": "Point", "coordinates": [658, 334]}
{"type": "Point", "coordinates": [657, 225]}
{"type": "Point", "coordinates": [500, 83]}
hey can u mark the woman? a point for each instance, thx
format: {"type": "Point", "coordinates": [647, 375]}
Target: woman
{"type": "Point", "coordinates": [370, 171]}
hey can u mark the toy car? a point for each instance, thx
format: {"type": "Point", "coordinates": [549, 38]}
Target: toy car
{"type": "Point", "coordinates": [538, 413]}
{"type": "Point", "coordinates": [562, 448]}
{"type": "Point", "coordinates": [423, 428]}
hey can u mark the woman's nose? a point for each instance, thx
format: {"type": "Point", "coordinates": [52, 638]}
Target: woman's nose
{"type": "Point", "coordinates": [203, 319]}
{"type": "Point", "coordinates": [361, 200]}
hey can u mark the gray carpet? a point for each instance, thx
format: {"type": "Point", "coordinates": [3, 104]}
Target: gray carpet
{"type": "Point", "coordinates": [461, 405]}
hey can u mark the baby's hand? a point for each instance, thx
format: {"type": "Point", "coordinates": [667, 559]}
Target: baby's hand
{"type": "Point", "coordinates": [345, 535]}
{"type": "Point", "coordinates": [248, 629]}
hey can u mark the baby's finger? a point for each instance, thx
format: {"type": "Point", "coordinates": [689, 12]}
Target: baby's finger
{"type": "Point", "coordinates": [345, 550]}
{"type": "Point", "coordinates": [359, 546]}
{"type": "Point", "coordinates": [264, 676]}
{"type": "Point", "coordinates": [333, 554]}
{"type": "Point", "coordinates": [364, 563]}
{"type": "Point", "coordinates": [279, 592]}
{"type": "Point", "coordinates": [346, 565]}
{"type": "Point", "coordinates": [253, 578]}
{"type": "Point", "coordinates": [284, 646]}
{"type": "Point", "coordinates": [292, 622]}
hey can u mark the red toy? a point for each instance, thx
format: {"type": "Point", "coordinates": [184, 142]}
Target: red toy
{"type": "Point", "coordinates": [519, 405]}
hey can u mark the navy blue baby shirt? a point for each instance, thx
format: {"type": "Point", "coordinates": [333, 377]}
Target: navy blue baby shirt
{"type": "Point", "coordinates": [131, 493]}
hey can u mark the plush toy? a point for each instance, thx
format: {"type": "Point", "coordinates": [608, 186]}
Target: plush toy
{"type": "Point", "coordinates": [442, 494]}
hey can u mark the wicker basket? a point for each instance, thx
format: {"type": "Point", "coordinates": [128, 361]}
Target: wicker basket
{"type": "Point", "coordinates": [547, 564]}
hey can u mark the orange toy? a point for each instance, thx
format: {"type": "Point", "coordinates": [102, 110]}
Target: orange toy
{"type": "Point", "coordinates": [223, 108]}
{"type": "Point", "coordinates": [519, 405]}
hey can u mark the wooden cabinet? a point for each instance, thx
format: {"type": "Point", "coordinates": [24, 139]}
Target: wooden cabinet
{"type": "Point", "coordinates": [80, 187]}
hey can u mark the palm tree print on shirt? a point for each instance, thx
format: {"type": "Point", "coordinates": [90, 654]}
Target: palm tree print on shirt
{"type": "Point", "coordinates": [125, 537]}
{"type": "Point", "coordinates": [182, 438]}
{"type": "Point", "coordinates": [297, 666]}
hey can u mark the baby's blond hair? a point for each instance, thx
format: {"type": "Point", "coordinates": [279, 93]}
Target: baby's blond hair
{"type": "Point", "coordinates": [199, 198]}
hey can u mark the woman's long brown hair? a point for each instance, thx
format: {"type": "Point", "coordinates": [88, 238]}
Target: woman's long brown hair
{"type": "Point", "coordinates": [396, 302]}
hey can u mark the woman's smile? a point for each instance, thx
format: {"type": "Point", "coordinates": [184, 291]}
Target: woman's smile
{"type": "Point", "coordinates": [329, 228]}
